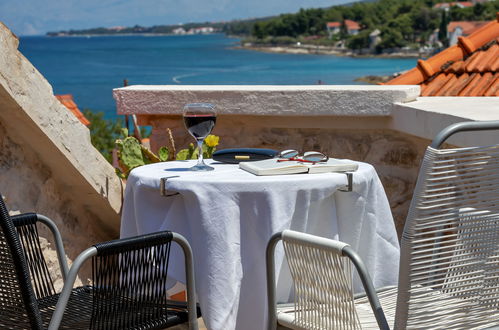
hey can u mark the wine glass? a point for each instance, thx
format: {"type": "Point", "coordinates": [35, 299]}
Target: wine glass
{"type": "Point", "coordinates": [199, 119]}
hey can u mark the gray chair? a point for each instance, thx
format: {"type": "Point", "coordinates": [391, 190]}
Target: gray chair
{"type": "Point", "coordinates": [449, 263]}
{"type": "Point", "coordinates": [128, 288]}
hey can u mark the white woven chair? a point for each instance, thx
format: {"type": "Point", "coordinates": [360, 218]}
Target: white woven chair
{"type": "Point", "coordinates": [449, 263]}
{"type": "Point", "coordinates": [322, 276]}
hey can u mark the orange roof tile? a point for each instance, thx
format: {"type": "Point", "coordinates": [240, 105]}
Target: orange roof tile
{"type": "Point", "coordinates": [467, 26]}
{"type": "Point", "coordinates": [68, 101]}
{"type": "Point", "coordinates": [451, 4]}
{"type": "Point", "coordinates": [333, 24]}
{"type": "Point", "coordinates": [469, 68]}
{"type": "Point", "coordinates": [494, 88]}
{"type": "Point", "coordinates": [466, 3]}
{"type": "Point", "coordinates": [352, 25]}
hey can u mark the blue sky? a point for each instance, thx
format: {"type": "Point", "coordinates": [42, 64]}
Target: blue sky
{"type": "Point", "coordinates": [31, 17]}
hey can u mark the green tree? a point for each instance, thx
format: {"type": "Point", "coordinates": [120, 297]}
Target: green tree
{"type": "Point", "coordinates": [103, 132]}
{"type": "Point", "coordinates": [423, 19]}
{"type": "Point", "coordinates": [402, 22]}
{"type": "Point", "coordinates": [391, 38]}
{"type": "Point", "coordinates": [360, 40]}
{"type": "Point", "coordinates": [442, 32]}
{"type": "Point", "coordinates": [343, 30]}
{"type": "Point", "coordinates": [333, 15]}
{"type": "Point", "coordinates": [478, 10]}
{"type": "Point", "coordinates": [258, 30]}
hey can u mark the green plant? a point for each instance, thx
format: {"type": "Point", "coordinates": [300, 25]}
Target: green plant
{"type": "Point", "coordinates": [103, 132]}
{"type": "Point", "coordinates": [191, 152]}
{"type": "Point", "coordinates": [132, 154]}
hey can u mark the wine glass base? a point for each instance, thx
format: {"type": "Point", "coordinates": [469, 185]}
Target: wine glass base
{"type": "Point", "coordinates": [201, 167]}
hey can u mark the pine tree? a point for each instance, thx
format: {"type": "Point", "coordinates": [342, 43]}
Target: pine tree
{"type": "Point", "coordinates": [442, 32]}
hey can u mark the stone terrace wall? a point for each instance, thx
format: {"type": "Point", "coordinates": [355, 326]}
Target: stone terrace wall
{"type": "Point", "coordinates": [47, 163]}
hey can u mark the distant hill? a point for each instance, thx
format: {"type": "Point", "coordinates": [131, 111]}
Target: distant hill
{"type": "Point", "coordinates": [234, 27]}
{"type": "Point", "coordinates": [243, 27]}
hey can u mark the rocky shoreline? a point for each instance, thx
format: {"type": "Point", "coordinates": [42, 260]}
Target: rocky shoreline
{"type": "Point", "coordinates": [375, 80]}
{"type": "Point", "coordinates": [326, 50]}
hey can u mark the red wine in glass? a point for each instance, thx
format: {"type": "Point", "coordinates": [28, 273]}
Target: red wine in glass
{"type": "Point", "coordinates": [199, 119]}
{"type": "Point", "coordinates": [200, 125]}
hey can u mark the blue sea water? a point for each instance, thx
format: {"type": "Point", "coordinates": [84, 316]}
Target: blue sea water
{"type": "Point", "coordinates": [90, 67]}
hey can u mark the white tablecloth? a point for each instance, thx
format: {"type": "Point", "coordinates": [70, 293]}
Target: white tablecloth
{"type": "Point", "coordinates": [229, 215]}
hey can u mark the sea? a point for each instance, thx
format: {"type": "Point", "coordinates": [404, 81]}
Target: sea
{"type": "Point", "coordinates": [89, 67]}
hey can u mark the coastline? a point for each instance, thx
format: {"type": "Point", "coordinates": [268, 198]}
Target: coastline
{"type": "Point", "coordinates": [306, 49]}
{"type": "Point", "coordinates": [325, 50]}
{"type": "Point", "coordinates": [141, 34]}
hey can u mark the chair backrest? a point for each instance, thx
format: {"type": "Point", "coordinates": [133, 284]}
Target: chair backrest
{"type": "Point", "coordinates": [449, 270]}
{"type": "Point", "coordinates": [18, 305]}
{"type": "Point", "coordinates": [27, 231]}
{"type": "Point", "coordinates": [130, 282]}
{"type": "Point", "coordinates": [321, 269]}
{"type": "Point", "coordinates": [322, 280]}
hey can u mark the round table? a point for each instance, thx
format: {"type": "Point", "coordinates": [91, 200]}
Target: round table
{"type": "Point", "coordinates": [228, 215]}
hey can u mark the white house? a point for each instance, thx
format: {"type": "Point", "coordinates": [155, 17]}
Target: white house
{"type": "Point", "coordinates": [335, 27]}
{"type": "Point", "coordinates": [461, 28]}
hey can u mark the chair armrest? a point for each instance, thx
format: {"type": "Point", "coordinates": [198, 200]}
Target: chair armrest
{"type": "Point", "coordinates": [466, 126]}
{"type": "Point", "coordinates": [368, 286]}
{"type": "Point", "coordinates": [56, 319]}
{"type": "Point", "coordinates": [27, 219]}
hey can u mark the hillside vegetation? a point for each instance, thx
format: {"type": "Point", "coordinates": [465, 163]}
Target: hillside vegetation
{"type": "Point", "coordinates": [402, 23]}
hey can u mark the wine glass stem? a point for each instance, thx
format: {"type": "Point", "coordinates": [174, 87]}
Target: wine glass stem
{"type": "Point", "coordinates": [200, 151]}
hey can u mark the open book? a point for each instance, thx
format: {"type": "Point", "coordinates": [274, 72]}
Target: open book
{"type": "Point", "coordinates": [273, 167]}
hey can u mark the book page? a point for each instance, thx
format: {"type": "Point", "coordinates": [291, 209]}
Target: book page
{"type": "Point", "coordinates": [273, 167]}
{"type": "Point", "coordinates": [333, 165]}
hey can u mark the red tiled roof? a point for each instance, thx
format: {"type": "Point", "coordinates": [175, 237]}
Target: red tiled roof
{"type": "Point", "coordinates": [333, 24]}
{"type": "Point", "coordinates": [352, 25]}
{"type": "Point", "coordinates": [464, 3]}
{"type": "Point", "coordinates": [450, 4]}
{"type": "Point", "coordinates": [469, 68]}
{"type": "Point", "coordinates": [68, 101]}
{"type": "Point", "coordinates": [467, 27]}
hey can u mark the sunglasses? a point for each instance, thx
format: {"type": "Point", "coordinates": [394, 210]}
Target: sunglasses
{"type": "Point", "coordinates": [308, 157]}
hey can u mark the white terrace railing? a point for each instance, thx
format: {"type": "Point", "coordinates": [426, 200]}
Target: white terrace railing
{"type": "Point", "coordinates": [387, 126]}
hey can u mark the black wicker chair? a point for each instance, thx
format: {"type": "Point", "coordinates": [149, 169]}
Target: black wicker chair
{"type": "Point", "coordinates": [128, 290]}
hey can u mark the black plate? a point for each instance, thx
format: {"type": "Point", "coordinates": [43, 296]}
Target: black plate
{"type": "Point", "coordinates": [237, 155]}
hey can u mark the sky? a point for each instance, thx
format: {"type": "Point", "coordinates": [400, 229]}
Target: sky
{"type": "Point", "coordinates": [35, 17]}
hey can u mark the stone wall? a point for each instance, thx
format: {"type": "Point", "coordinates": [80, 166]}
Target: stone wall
{"type": "Point", "coordinates": [47, 162]}
{"type": "Point", "coordinates": [28, 185]}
